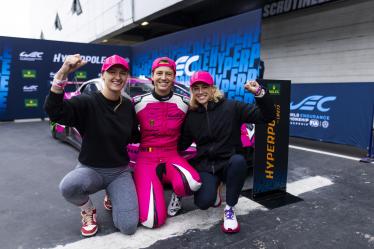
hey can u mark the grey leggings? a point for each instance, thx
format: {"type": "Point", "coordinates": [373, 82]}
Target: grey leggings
{"type": "Point", "coordinates": [79, 183]}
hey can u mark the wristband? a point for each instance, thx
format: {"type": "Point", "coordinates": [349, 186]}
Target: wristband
{"type": "Point", "coordinates": [258, 92]}
{"type": "Point", "coordinates": [59, 83]}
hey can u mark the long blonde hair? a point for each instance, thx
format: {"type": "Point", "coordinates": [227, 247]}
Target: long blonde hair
{"type": "Point", "coordinates": [216, 96]}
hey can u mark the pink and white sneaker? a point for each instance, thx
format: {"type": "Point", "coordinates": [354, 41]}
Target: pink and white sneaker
{"type": "Point", "coordinates": [107, 203]}
{"type": "Point", "coordinates": [230, 223]}
{"type": "Point", "coordinates": [89, 225]}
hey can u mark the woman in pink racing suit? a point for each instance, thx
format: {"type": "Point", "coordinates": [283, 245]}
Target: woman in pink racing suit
{"type": "Point", "coordinates": [161, 114]}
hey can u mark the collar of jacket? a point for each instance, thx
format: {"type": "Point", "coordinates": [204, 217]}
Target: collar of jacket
{"type": "Point", "coordinates": [162, 98]}
{"type": "Point", "coordinates": [211, 105]}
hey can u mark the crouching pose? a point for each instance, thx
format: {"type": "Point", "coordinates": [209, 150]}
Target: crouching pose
{"type": "Point", "coordinates": [213, 123]}
{"type": "Point", "coordinates": [107, 123]}
{"type": "Point", "coordinates": [161, 114]}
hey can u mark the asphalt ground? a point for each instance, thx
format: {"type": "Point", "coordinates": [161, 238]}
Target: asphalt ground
{"type": "Point", "coordinates": [33, 213]}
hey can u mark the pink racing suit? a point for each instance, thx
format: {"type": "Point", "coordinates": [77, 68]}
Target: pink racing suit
{"type": "Point", "coordinates": [158, 161]}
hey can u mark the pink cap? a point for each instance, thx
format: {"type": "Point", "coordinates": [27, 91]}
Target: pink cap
{"type": "Point", "coordinates": [163, 62]}
{"type": "Point", "coordinates": [114, 60]}
{"type": "Point", "coordinates": [201, 77]}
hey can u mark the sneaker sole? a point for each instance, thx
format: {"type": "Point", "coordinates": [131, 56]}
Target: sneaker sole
{"type": "Point", "coordinates": [90, 234]}
{"type": "Point", "coordinates": [236, 230]}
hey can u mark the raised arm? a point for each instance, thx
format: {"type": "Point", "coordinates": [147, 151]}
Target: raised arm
{"type": "Point", "coordinates": [263, 111]}
{"type": "Point", "coordinates": [58, 110]}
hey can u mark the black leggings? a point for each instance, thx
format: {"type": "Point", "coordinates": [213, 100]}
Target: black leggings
{"type": "Point", "coordinates": [233, 175]}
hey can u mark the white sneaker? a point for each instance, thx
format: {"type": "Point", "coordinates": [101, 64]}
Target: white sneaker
{"type": "Point", "coordinates": [230, 223]}
{"type": "Point", "coordinates": [175, 205]}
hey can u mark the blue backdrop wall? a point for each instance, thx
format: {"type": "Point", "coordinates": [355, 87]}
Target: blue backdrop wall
{"type": "Point", "coordinates": [28, 66]}
{"type": "Point", "coordinates": [229, 49]}
{"type": "Point", "coordinates": [333, 112]}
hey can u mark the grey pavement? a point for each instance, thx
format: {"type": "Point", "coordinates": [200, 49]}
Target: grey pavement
{"type": "Point", "coordinates": [33, 213]}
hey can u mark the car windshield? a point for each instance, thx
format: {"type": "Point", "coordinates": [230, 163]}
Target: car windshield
{"type": "Point", "coordinates": [71, 87]}
{"type": "Point", "coordinates": [89, 88]}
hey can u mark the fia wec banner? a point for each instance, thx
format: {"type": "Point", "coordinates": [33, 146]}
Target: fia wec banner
{"type": "Point", "coordinates": [229, 49]}
{"type": "Point", "coordinates": [333, 112]}
{"type": "Point", "coordinates": [271, 151]}
{"type": "Point", "coordinates": [28, 66]}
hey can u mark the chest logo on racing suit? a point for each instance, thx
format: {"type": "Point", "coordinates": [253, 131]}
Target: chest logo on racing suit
{"type": "Point", "coordinates": [151, 122]}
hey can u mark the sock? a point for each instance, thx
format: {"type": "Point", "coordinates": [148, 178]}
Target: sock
{"type": "Point", "coordinates": [87, 206]}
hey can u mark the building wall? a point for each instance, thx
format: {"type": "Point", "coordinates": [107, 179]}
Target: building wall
{"type": "Point", "coordinates": [99, 18]}
{"type": "Point", "coordinates": [144, 8]}
{"type": "Point", "coordinates": [330, 43]}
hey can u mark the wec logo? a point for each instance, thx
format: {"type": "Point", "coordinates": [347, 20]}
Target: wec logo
{"type": "Point", "coordinates": [311, 102]}
{"type": "Point", "coordinates": [33, 56]}
{"type": "Point", "coordinates": [184, 63]}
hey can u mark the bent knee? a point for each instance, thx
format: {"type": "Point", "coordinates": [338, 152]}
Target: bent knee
{"type": "Point", "coordinates": [238, 163]}
{"type": "Point", "coordinates": [128, 229]}
{"type": "Point", "coordinates": [238, 159]}
{"type": "Point", "coordinates": [68, 190]}
{"type": "Point", "coordinates": [126, 221]}
{"type": "Point", "coordinates": [195, 186]}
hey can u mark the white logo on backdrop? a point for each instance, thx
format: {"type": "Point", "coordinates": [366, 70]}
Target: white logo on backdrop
{"type": "Point", "coordinates": [33, 56]}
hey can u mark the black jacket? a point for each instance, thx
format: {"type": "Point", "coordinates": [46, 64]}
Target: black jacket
{"type": "Point", "coordinates": [216, 131]}
{"type": "Point", "coordinates": [105, 132]}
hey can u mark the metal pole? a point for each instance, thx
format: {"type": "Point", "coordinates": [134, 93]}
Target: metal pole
{"type": "Point", "coordinates": [370, 154]}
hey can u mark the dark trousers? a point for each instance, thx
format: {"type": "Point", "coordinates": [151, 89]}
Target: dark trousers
{"type": "Point", "coordinates": [233, 175]}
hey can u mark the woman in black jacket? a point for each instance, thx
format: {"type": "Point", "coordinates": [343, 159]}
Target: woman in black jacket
{"type": "Point", "coordinates": [213, 123]}
{"type": "Point", "coordinates": [107, 123]}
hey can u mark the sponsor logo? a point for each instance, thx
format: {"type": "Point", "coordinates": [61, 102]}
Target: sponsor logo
{"type": "Point", "coordinates": [312, 102]}
{"type": "Point", "coordinates": [314, 123]}
{"type": "Point", "coordinates": [29, 89]}
{"type": "Point", "coordinates": [184, 65]}
{"type": "Point", "coordinates": [274, 89]}
{"type": "Point", "coordinates": [81, 75]}
{"type": "Point", "coordinates": [52, 75]}
{"type": "Point", "coordinates": [33, 56]}
{"type": "Point", "coordinates": [92, 59]}
{"type": "Point", "coordinates": [325, 124]}
{"type": "Point", "coordinates": [309, 120]}
{"type": "Point", "coordinates": [31, 103]}
{"type": "Point", "coordinates": [28, 74]}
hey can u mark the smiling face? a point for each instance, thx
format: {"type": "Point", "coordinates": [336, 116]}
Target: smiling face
{"type": "Point", "coordinates": [115, 78]}
{"type": "Point", "coordinates": [163, 79]}
{"type": "Point", "coordinates": [202, 93]}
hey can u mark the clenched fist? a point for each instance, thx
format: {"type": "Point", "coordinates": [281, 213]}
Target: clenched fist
{"type": "Point", "coordinates": [71, 64]}
{"type": "Point", "coordinates": [253, 87]}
